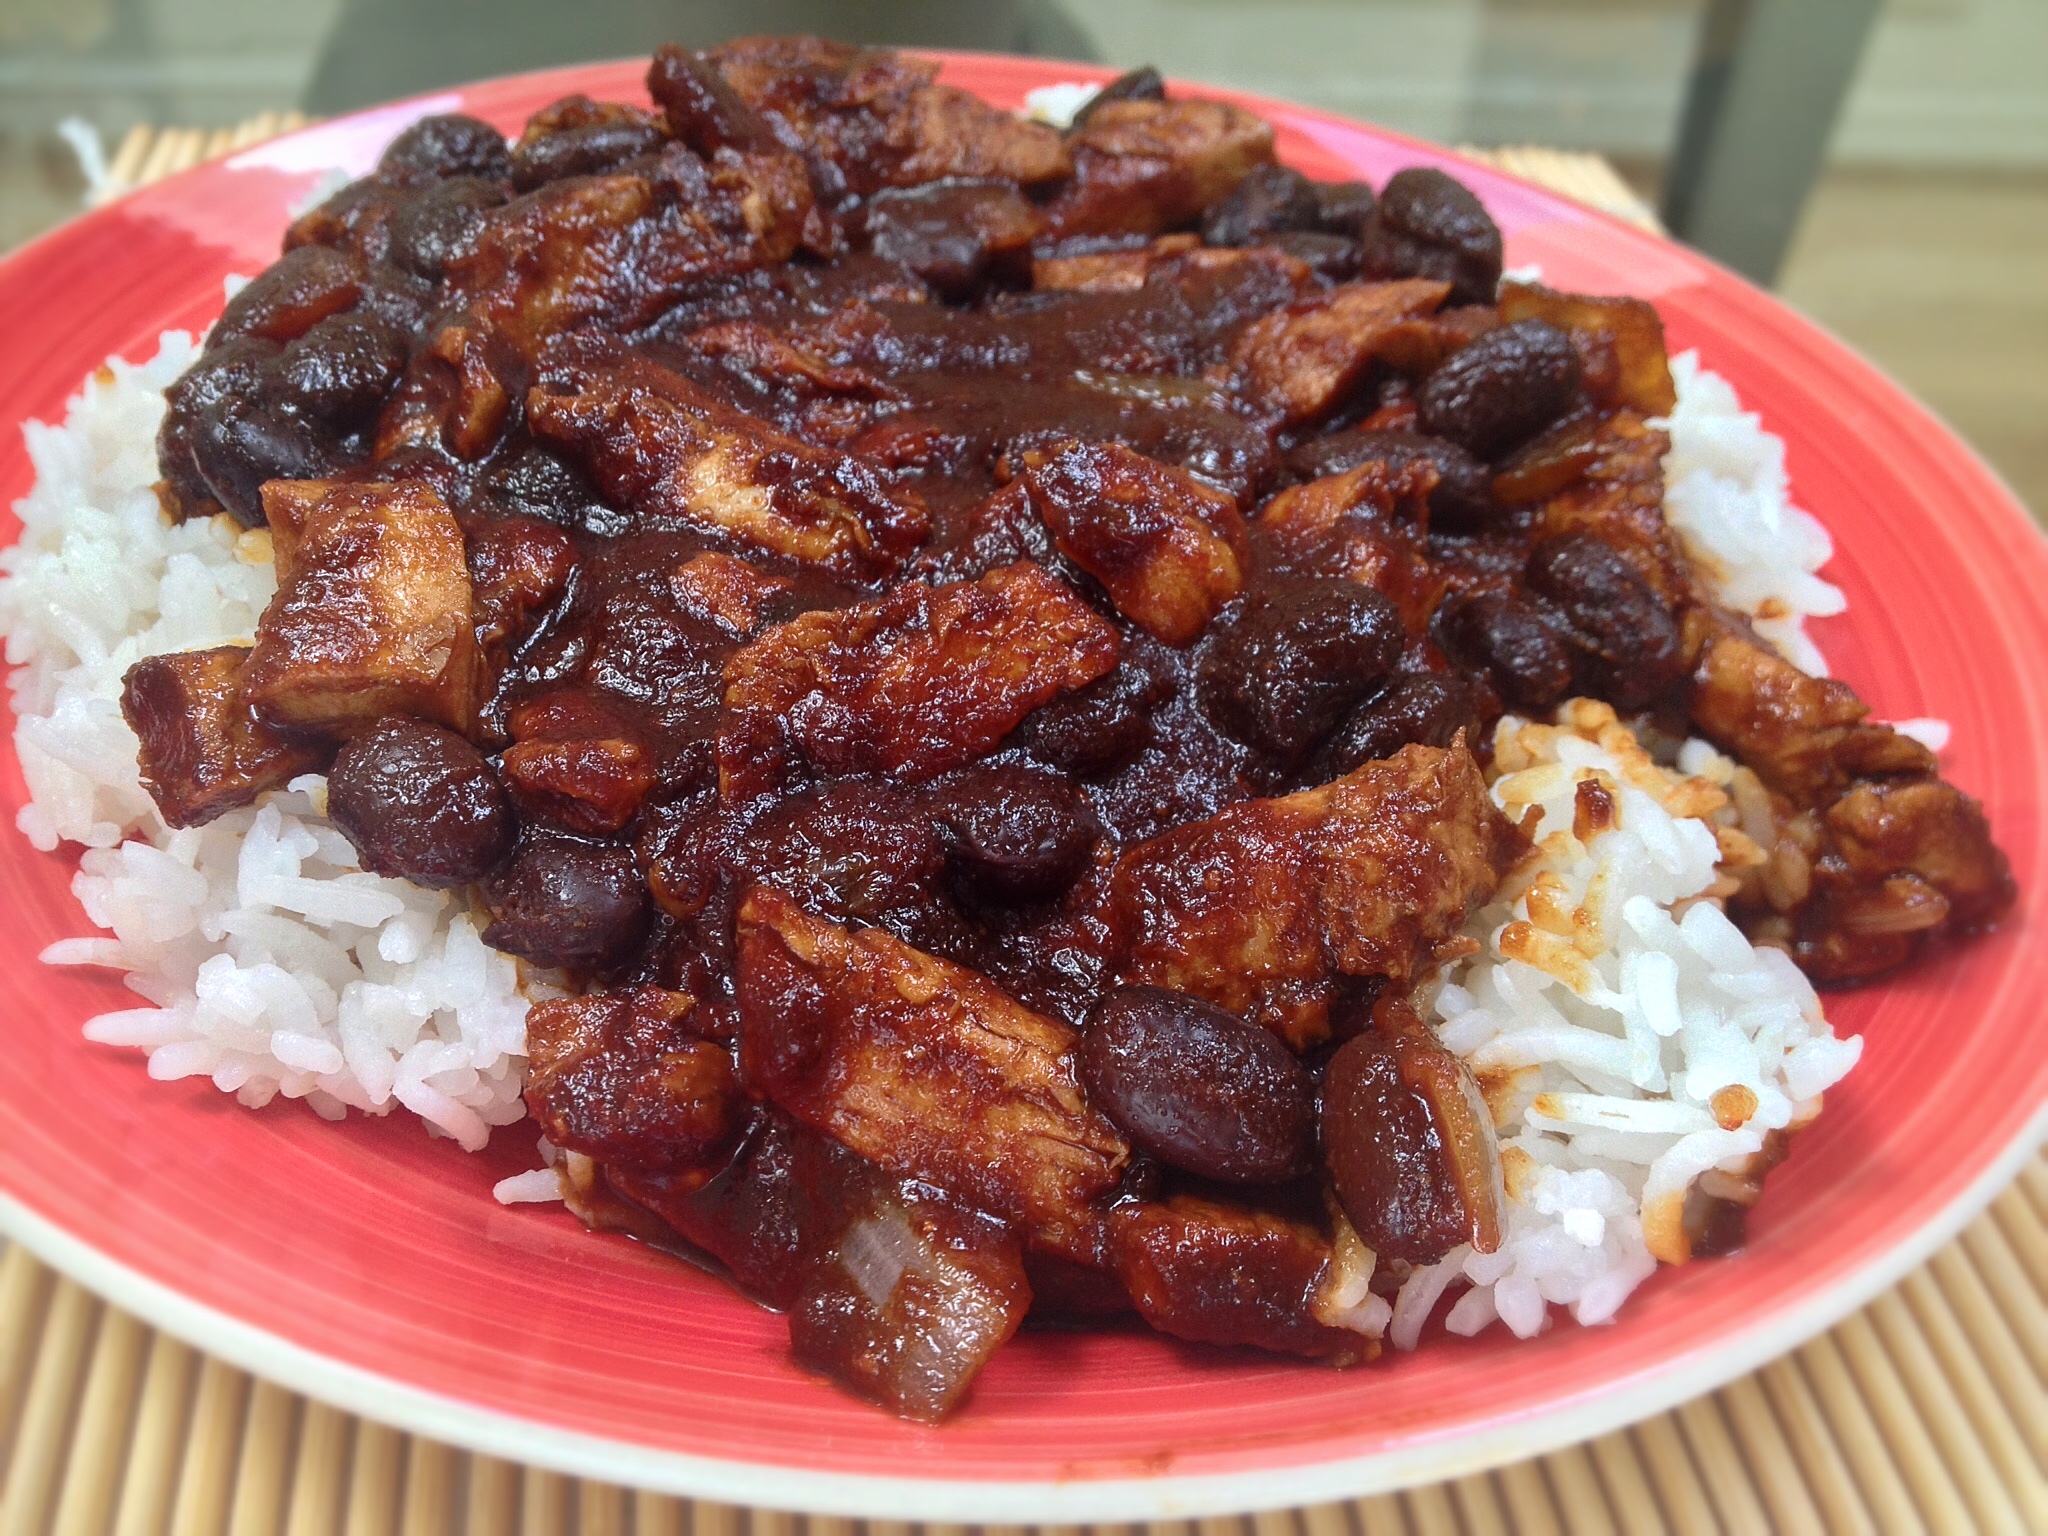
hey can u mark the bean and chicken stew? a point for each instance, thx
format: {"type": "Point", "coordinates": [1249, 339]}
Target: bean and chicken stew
{"type": "Point", "coordinates": [969, 649]}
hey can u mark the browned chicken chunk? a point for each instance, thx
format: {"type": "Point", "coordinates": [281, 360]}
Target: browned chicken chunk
{"type": "Point", "coordinates": [924, 1067]}
{"type": "Point", "coordinates": [619, 1076]}
{"type": "Point", "coordinates": [664, 447]}
{"type": "Point", "coordinates": [1148, 166]}
{"type": "Point", "coordinates": [374, 619]}
{"type": "Point", "coordinates": [920, 681]}
{"type": "Point", "coordinates": [1296, 362]}
{"type": "Point", "coordinates": [204, 750]}
{"type": "Point", "coordinates": [1165, 547]}
{"type": "Point", "coordinates": [1261, 908]}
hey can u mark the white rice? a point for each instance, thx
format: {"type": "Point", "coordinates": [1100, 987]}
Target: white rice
{"type": "Point", "coordinates": [265, 959]}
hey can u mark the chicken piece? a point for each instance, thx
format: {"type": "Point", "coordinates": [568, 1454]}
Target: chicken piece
{"type": "Point", "coordinates": [923, 1067]}
{"type": "Point", "coordinates": [1806, 737]}
{"type": "Point", "coordinates": [1261, 908]}
{"type": "Point", "coordinates": [910, 1305]}
{"type": "Point", "coordinates": [665, 449]}
{"type": "Point", "coordinates": [1222, 1274]}
{"type": "Point", "coordinates": [1927, 830]}
{"type": "Point", "coordinates": [1144, 167]}
{"type": "Point", "coordinates": [374, 619]}
{"type": "Point", "coordinates": [1617, 497]}
{"type": "Point", "coordinates": [1167, 549]}
{"type": "Point", "coordinates": [955, 235]}
{"type": "Point", "coordinates": [1367, 525]}
{"type": "Point", "coordinates": [1181, 260]}
{"type": "Point", "coordinates": [203, 749]}
{"type": "Point", "coordinates": [1620, 343]}
{"type": "Point", "coordinates": [620, 1076]}
{"type": "Point", "coordinates": [615, 251]}
{"type": "Point", "coordinates": [725, 591]}
{"type": "Point", "coordinates": [877, 118]}
{"type": "Point", "coordinates": [1297, 363]}
{"type": "Point", "coordinates": [917, 682]}
{"type": "Point", "coordinates": [590, 786]}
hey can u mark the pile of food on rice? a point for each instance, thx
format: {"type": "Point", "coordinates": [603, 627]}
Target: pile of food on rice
{"type": "Point", "coordinates": [986, 722]}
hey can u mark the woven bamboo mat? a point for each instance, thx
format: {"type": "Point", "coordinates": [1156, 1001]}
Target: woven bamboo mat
{"type": "Point", "coordinates": [1927, 1411]}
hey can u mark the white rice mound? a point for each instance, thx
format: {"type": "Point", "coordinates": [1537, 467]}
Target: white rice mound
{"type": "Point", "coordinates": [1635, 1046]}
{"type": "Point", "coordinates": [262, 955]}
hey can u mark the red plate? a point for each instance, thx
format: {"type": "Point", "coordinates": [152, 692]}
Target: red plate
{"type": "Point", "coordinates": [368, 1265]}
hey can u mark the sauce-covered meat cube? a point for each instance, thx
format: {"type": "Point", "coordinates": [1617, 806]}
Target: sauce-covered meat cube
{"type": "Point", "coordinates": [204, 750]}
{"type": "Point", "coordinates": [373, 619]}
{"type": "Point", "coordinates": [1147, 166]}
{"type": "Point", "coordinates": [621, 1077]}
{"type": "Point", "coordinates": [1262, 907]}
{"type": "Point", "coordinates": [922, 1066]}
{"type": "Point", "coordinates": [923, 680]}
{"type": "Point", "coordinates": [1166, 548]}
{"type": "Point", "coordinates": [666, 449]}
{"type": "Point", "coordinates": [1297, 362]}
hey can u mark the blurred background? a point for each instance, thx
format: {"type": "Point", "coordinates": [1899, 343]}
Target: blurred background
{"type": "Point", "coordinates": [1882, 163]}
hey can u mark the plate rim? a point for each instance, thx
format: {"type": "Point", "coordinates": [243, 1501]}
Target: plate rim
{"type": "Point", "coordinates": [781, 1486]}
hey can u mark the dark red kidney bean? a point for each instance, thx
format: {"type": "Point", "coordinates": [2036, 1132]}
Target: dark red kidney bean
{"type": "Point", "coordinates": [534, 483]}
{"type": "Point", "coordinates": [1428, 709]}
{"type": "Point", "coordinates": [294, 293]}
{"type": "Point", "coordinates": [1530, 661]}
{"type": "Point", "coordinates": [241, 365]}
{"type": "Point", "coordinates": [401, 300]}
{"type": "Point", "coordinates": [1343, 207]}
{"type": "Point", "coordinates": [1630, 645]}
{"type": "Point", "coordinates": [588, 149]}
{"type": "Point", "coordinates": [1269, 199]}
{"type": "Point", "coordinates": [1096, 730]}
{"type": "Point", "coordinates": [1013, 833]}
{"type": "Point", "coordinates": [1141, 84]}
{"type": "Point", "coordinates": [1298, 653]}
{"type": "Point", "coordinates": [1334, 257]}
{"type": "Point", "coordinates": [441, 223]}
{"type": "Point", "coordinates": [562, 901]}
{"type": "Point", "coordinates": [448, 144]}
{"type": "Point", "coordinates": [850, 849]}
{"type": "Point", "coordinates": [955, 234]}
{"type": "Point", "coordinates": [1198, 1087]}
{"type": "Point", "coordinates": [1463, 499]}
{"type": "Point", "coordinates": [240, 441]}
{"type": "Point", "coordinates": [1501, 389]}
{"type": "Point", "coordinates": [421, 803]}
{"type": "Point", "coordinates": [1411, 1149]}
{"type": "Point", "coordinates": [341, 369]}
{"type": "Point", "coordinates": [699, 107]}
{"type": "Point", "coordinates": [1427, 225]}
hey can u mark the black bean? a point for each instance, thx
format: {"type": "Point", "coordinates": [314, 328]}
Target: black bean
{"type": "Point", "coordinates": [1198, 1087]}
{"type": "Point", "coordinates": [1096, 730]}
{"type": "Point", "coordinates": [1014, 833]}
{"type": "Point", "coordinates": [340, 370]}
{"type": "Point", "coordinates": [1514, 641]}
{"type": "Point", "coordinates": [1343, 207]}
{"type": "Point", "coordinates": [1141, 84]}
{"type": "Point", "coordinates": [1334, 257]}
{"type": "Point", "coordinates": [1269, 199]}
{"type": "Point", "coordinates": [1502, 388]}
{"type": "Point", "coordinates": [587, 149]}
{"type": "Point", "coordinates": [240, 441]}
{"type": "Point", "coordinates": [441, 223]}
{"type": "Point", "coordinates": [1627, 637]}
{"type": "Point", "coordinates": [1463, 499]}
{"type": "Point", "coordinates": [562, 901]}
{"type": "Point", "coordinates": [1427, 225]}
{"type": "Point", "coordinates": [446, 145]}
{"type": "Point", "coordinates": [1410, 1148]}
{"type": "Point", "coordinates": [421, 803]}
{"type": "Point", "coordinates": [534, 483]}
{"type": "Point", "coordinates": [292, 294]}
{"type": "Point", "coordinates": [1298, 653]}
{"type": "Point", "coordinates": [1428, 709]}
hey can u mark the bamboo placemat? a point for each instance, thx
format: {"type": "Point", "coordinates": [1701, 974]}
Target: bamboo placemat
{"type": "Point", "coordinates": [1927, 1411]}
